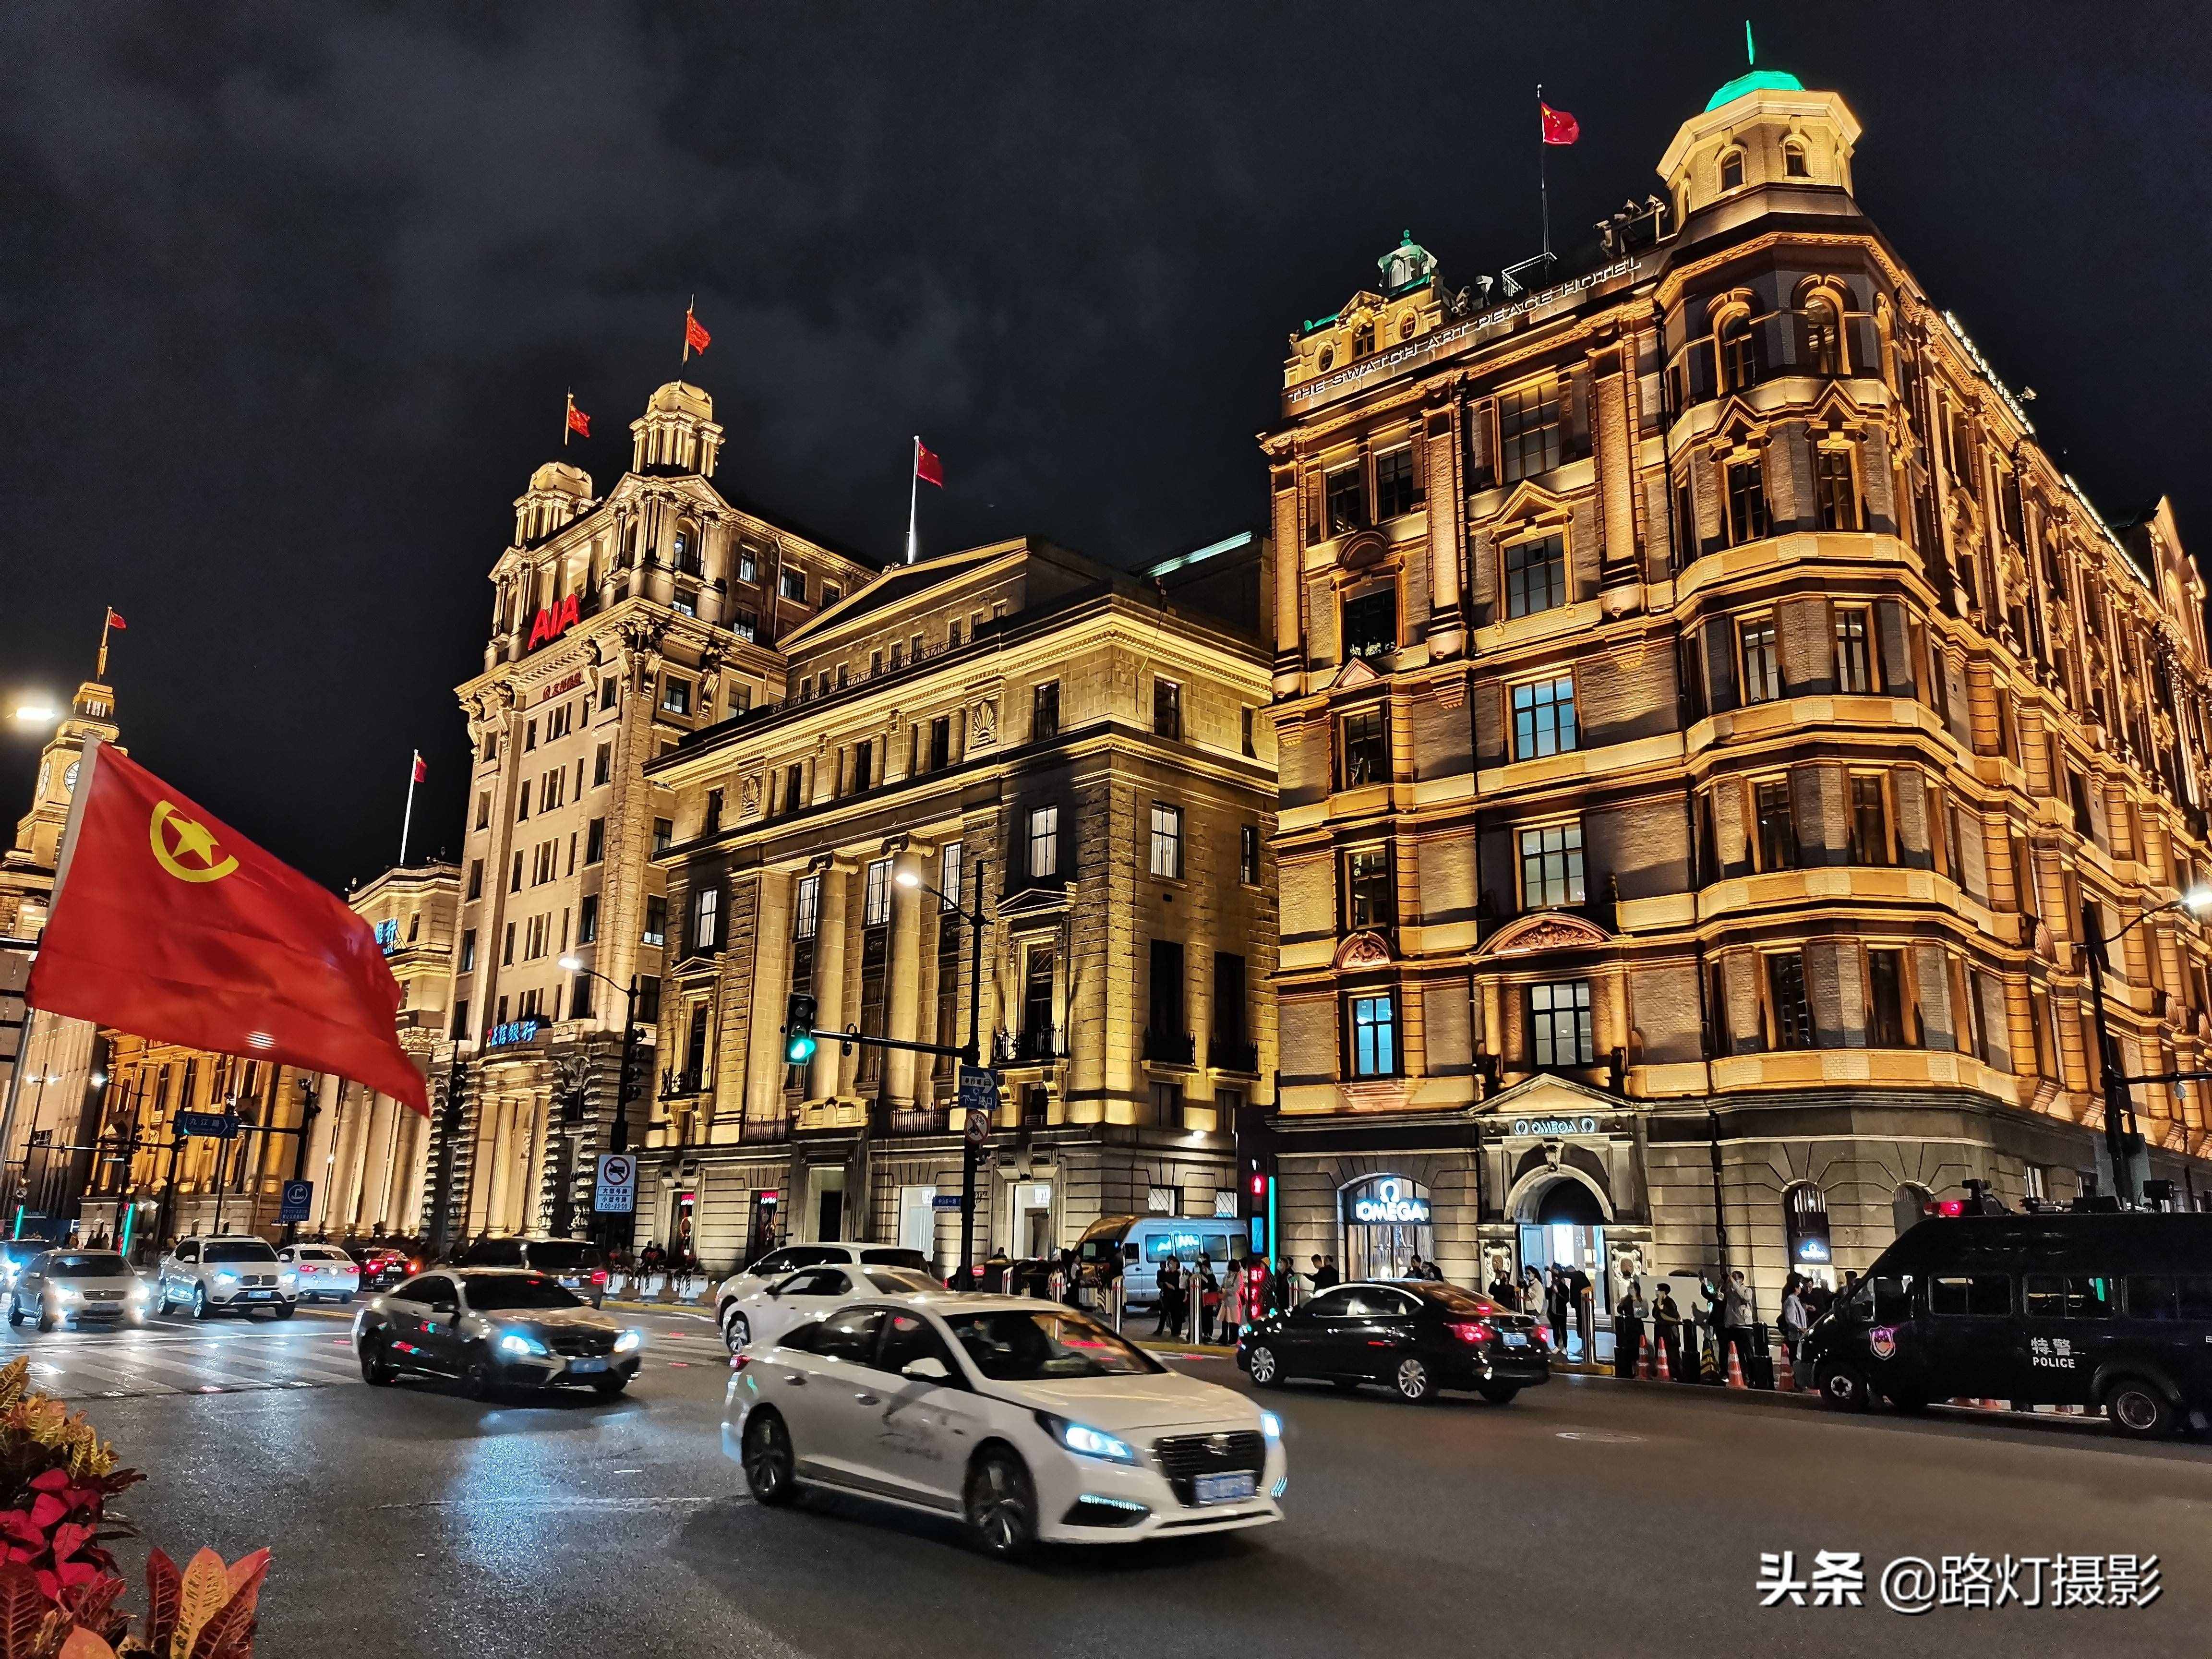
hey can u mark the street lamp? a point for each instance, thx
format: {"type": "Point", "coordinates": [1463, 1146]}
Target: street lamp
{"type": "Point", "coordinates": [2111, 1082]}
{"type": "Point", "coordinates": [908, 874]}
{"type": "Point", "coordinates": [618, 1138]}
{"type": "Point", "coordinates": [36, 713]}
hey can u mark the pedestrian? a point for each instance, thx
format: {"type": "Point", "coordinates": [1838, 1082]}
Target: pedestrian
{"type": "Point", "coordinates": [1627, 1329]}
{"type": "Point", "coordinates": [1167, 1302]}
{"type": "Point", "coordinates": [1324, 1274]}
{"type": "Point", "coordinates": [1501, 1288]}
{"type": "Point", "coordinates": [1582, 1299]}
{"type": "Point", "coordinates": [1795, 1321]}
{"type": "Point", "coordinates": [1432, 1272]}
{"type": "Point", "coordinates": [1412, 1266]}
{"type": "Point", "coordinates": [1712, 1365]}
{"type": "Point", "coordinates": [1232, 1301]}
{"type": "Point", "coordinates": [1739, 1313]}
{"type": "Point", "coordinates": [1532, 1298]}
{"type": "Point", "coordinates": [1667, 1320]}
{"type": "Point", "coordinates": [1205, 1300]}
{"type": "Point", "coordinates": [1555, 1306]}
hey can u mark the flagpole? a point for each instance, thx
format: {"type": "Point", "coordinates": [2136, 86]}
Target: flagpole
{"type": "Point", "coordinates": [688, 310]}
{"type": "Point", "coordinates": [568, 420]}
{"type": "Point", "coordinates": [107, 617]}
{"type": "Point", "coordinates": [407, 823]}
{"type": "Point", "coordinates": [1543, 180]}
{"type": "Point", "coordinates": [913, 495]}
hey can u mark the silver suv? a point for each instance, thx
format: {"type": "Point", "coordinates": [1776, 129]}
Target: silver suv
{"type": "Point", "coordinates": [230, 1272]}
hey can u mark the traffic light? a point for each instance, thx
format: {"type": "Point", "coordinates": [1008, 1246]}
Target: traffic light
{"type": "Point", "coordinates": [798, 1028]}
{"type": "Point", "coordinates": [637, 1073]}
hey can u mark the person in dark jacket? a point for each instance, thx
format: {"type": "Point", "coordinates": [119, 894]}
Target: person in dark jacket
{"type": "Point", "coordinates": [1170, 1299]}
{"type": "Point", "coordinates": [1556, 1298]}
{"type": "Point", "coordinates": [1667, 1324]}
{"type": "Point", "coordinates": [1324, 1275]}
{"type": "Point", "coordinates": [1627, 1330]}
{"type": "Point", "coordinates": [1502, 1291]}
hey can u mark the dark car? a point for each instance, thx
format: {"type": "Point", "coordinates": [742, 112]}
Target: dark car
{"type": "Point", "coordinates": [494, 1328]}
{"type": "Point", "coordinates": [1415, 1335]}
{"type": "Point", "coordinates": [2112, 1312]}
{"type": "Point", "coordinates": [580, 1265]}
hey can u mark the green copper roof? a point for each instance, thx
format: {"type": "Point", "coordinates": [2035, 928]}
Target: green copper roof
{"type": "Point", "coordinates": [1756, 81]}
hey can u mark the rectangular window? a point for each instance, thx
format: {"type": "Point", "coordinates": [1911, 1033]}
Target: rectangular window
{"type": "Point", "coordinates": [663, 834]}
{"type": "Point", "coordinates": [1528, 429]}
{"type": "Point", "coordinates": [1870, 820]}
{"type": "Point", "coordinates": [1231, 1030]}
{"type": "Point", "coordinates": [1348, 503]}
{"type": "Point", "coordinates": [1544, 718]}
{"type": "Point", "coordinates": [1167, 842]}
{"type": "Point", "coordinates": [588, 918]}
{"type": "Point", "coordinates": [1370, 897]}
{"type": "Point", "coordinates": [1374, 1037]}
{"type": "Point", "coordinates": [876, 902]}
{"type": "Point", "coordinates": [1044, 842]}
{"type": "Point", "coordinates": [1364, 748]}
{"type": "Point", "coordinates": [656, 920]}
{"type": "Point", "coordinates": [1247, 855]}
{"type": "Point", "coordinates": [1044, 712]}
{"type": "Point", "coordinates": [1535, 575]}
{"type": "Point", "coordinates": [603, 765]}
{"type": "Point", "coordinates": [649, 998]}
{"type": "Point", "coordinates": [745, 624]}
{"type": "Point", "coordinates": [1854, 652]}
{"type": "Point", "coordinates": [951, 873]}
{"type": "Point", "coordinates": [1977, 1296]}
{"type": "Point", "coordinates": [1550, 865]}
{"type": "Point", "coordinates": [794, 787]}
{"type": "Point", "coordinates": [706, 919]}
{"type": "Point", "coordinates": [522, 811]}
{"type": "Point", "coordinates": [1776, 822]}
{"type": "Point", "coordinates": [1786, 1000]}
{"type": "Point", "coordinates": [940, 742]}
{"type": "Point", "coordinates": [469, 951]}
{"type": "Point", "coordinates": [952, 635]}
{"type": "Point", "coordinates": [1394, 483]}
{"type": "Point", "coordinates": [1370, 623]}
{"type": "Point", "coordinates": [1167, 710]}
{"type": "Point", "coordinates": [595, 840]}
{"type": "Point", "coordinates": [806, 909]}
{"type": "Point", "coordinates": [711, 823]}
{"type": "Point", "coordinates": [529, 736]}
{"type": "Point", "coordinates": [1760, 653]}
{"type": "Point", "coordinates": [507, 947]}
{"type": "Point", "coordinates": [1835, 490]}
{"type": "Point", "coordinates": [476, 878]}
{"type": "Point", "coordinates": [610, 693]}
{"type": "Point", "coordinates": [483, 810]}
{"type": "Point", "coordinates": [1037, 1001]}
{"type": "Point", "coordinates": [1559, 1028]}
{"type": "Point", "coordinates": [792, 586]}
{"type": "Point", "coordinates": [1886, 1001]}
{"type": "Point", "coordinates": [579, 997]}
{"type": "Point", "coordinates": [515, 885]}
{"type": "Point", "coordinates": [1746, 503]}
{"type": "Point", "coordinates": [2049, 1296]}
{"type": "Point", "coordinates": [864, 765]}
{"type": "Point", "coordinates": [1164, 1015]}
{"type": "Point", "coordinates": [1244, 723]}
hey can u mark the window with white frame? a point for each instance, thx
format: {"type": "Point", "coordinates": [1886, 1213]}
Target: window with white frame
{"type": "Point", "coordinates": [1374, 1035]}
{"type": "Point", "coordinates": [951, 873]}
{"type": "Point", "coordinates": [876, 905]}
{"type": "Point", "coordinates": [1559, 1023]}
{"type": "Point", "coordinates": [706, 919]}
{"type": "Point", "coordinates": [1544, 718]}
{"type": "Point", "coordinates": [1761, 650]}
{"type": "Point", "coordinates": [1167, 841]}
{"type": "Point", "coordinates": [1550, 865]}
{"type": "Point", "coordinates": [806, 909]}
{"type": "Point", "coordinates": [1044, 842]}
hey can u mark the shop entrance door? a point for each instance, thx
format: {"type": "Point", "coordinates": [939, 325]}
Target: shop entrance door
{"type": "Point", "coordinates": [1386, 1224]}
{"type": "Point", "coordinates": [1568, 1231]}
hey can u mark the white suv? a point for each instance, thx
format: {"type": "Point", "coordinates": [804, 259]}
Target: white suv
{"type": "Point", "coordinates": [737, 1332]}
{"type": "Point", "coordinates": [1027, 1419]}
{"type": "Point", "coordinates": [231, 1272]}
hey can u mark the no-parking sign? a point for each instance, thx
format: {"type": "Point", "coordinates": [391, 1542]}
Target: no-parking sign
{"type": "Point", "coordinates": [618, 1187]}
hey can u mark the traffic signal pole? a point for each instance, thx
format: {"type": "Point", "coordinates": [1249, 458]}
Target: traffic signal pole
{"type": "Point", "coordinates": [971, 1152]}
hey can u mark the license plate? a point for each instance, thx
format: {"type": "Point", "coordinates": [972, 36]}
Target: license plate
{"type": "Point", "coordinates": [1516, 1338]}
{"type": "Point", "coordinates": [571, 1282]}
{"type": "Point", "coordinates": [1225, 1488]}
{"type": "Point", "coordinates": [588, 1365]}
{"type": "Point", "coordinates": [259, 1296]}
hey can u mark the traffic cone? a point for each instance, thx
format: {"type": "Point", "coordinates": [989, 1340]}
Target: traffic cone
{"type": "Point", "coordinates": [1785, 1374]}
{"type": "Point", "coordinates": [1736, 1369]}
{"type": "Point", "coordinates": [1643, 1353]}
{"type": "Point", "coordinates": [1666, 1375]}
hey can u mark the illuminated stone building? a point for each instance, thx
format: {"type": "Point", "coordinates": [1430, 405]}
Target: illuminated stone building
{"type": "Point", "coordinates": [1703, 707]}
{"type": "Point", "coordinates": [1087, 752]}
{"type": "Point", "coordinates": [620, 623]}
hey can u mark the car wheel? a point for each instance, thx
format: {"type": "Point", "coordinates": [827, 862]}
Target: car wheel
{"type": "Point", "coordinates": [200, 1309]}
{"type": "Point", "coordinates": [769, 1467]}
{"type": "Point", "coordinates": [348, 1296]}
{"type": "Point", "coordinates": [2139, 1410]}
{"type": "Point", "coordinates": [1498, 1394]}
{"type": "Point", "coordinates": [1266, 1370]}
{"type": "Point", "coordinates": [478, 1380]}
{"type": "Point", "coordinates": [609, 1386]}
{"type": "Point", "coordinates": [1001, 1506]}
{"type": "Point", "coordinates": [161, 1303]}
{"type": "Point", "coordinates": [737, 1329]}
{"type": "Point", "coordinates": [1411, 1380]}
{"type": "Point", "coordinates": [285, 1310]}
{"type": "Point", "coordinates": [14, 1311]}
{"type": "Point", "coordinates": [1844, 1389]}
{"type": "Point", "coordinates": [45, 1316]}
{"type": "Point", "coordinates": [376, 1369]}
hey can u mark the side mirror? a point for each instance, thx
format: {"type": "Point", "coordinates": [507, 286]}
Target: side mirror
{"type": "Point", "coordinates": [927, 1368]}
{"type": "Point", "coordinates": [775, 1292]}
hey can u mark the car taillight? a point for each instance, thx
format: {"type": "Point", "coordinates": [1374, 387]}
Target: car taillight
{"type": "Point", "coordinates": [739, 1361]}
{"type": "Point", "coordinates": [1470, 1330]}
{"type": "Point", "coordinates": [599, 1277]}
{"type": "Point", "coordinates": [1946, 1206]}
{"type": "Point", "coordinates": [414, 1267]}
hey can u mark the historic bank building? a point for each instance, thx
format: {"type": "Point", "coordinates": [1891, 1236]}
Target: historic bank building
{"type": "Point", "coordinates": [1702, 709]}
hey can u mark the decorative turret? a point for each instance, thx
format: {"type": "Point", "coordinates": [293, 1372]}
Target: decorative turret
{"type": "Point", "coordinates": [677, 432]}
{"type": "Point", "coordinates": [558, 492]}
{"type": "Point", "coordinates": [1762, 131]}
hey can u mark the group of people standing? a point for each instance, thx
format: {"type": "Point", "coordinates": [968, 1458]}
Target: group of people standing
{"type": "Point", "coordinates": [1564, 1297]}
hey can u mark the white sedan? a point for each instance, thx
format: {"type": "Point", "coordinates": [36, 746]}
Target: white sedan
{"type": "Point", "coordinates": [320, 1272]}
{"type": "Point", "coordinates": [767, 1311]}
{"type": "Point", "coordinates": [1028, 1420]}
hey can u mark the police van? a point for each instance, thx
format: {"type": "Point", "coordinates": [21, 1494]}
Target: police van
{"type": "Point", "coordinates": [1144, 1242]}
{"type": "Point", "coordinates": [2111, 1312]}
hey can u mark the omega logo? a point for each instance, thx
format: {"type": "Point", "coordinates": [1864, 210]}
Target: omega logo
{"type": "Point", "coordinates": [1555, 1126]}
{"type": "Point", "coordinates": [1391, 1202]}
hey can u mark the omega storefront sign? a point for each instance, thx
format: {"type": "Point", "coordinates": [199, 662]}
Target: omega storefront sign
{"type": "Point", "coordinates": [1386, 1224]}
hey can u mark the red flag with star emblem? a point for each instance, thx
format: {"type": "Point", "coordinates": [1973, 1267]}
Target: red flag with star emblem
{"type": "Point", "coordinates": [170, 924]}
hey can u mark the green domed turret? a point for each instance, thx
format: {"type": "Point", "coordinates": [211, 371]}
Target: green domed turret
{"type": "Point", "coordinates": [1758, 80]}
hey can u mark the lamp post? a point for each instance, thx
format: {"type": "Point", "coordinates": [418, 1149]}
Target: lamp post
{"type": "Point", "coordinates": [971, 1053]}
{"type": "Point", "coordinates": [2111, 1082]}
{"type": "Point", "coordinates": [618, 1134]}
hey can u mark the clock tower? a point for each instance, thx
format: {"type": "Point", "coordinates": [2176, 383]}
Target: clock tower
{"type": "Point", "coordinates": [27, 869]}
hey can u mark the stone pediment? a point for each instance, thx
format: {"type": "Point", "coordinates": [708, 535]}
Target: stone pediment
{"type": "Point", "coordinates": [1547, 1098]}
{"type": "Point", "coordinates": [1355, 673]}
{"type": "Point", "coordinates": [1548, 930]}
{"type": "Point", "coordinates": [1365, 950]}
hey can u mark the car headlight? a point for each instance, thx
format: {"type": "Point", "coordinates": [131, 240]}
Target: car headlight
{"type": "Point", "coordinates": [226, 1278]}
{"type": "Point", "coordinates": [65, 1294]}
{"type": "Point", "coordinates": [629, 1342]}
{"type": "Point", "coordinates": [1086, 1442]}
{"type": "Point", "coordinates": [1271, 1425]}
{"type": "Point", "coordinates": [519, 1343]}
{"type": "Point", "coordinates": [138, 1292]}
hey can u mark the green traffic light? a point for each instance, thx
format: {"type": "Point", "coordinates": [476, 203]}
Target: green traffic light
{"type": "Point", "coordinates": [799, 1047]}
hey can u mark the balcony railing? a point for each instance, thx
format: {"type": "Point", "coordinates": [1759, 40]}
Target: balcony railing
{"type": "Point", "coordinates": [918, 1121]}
{"type": "Point", "coordinates": [1029, 1048]}
{"type": "Point", "coordinates": [1170, 1047]}
{"type": "Point", "coordinates": [764, 1129]}
{"type": "Point", "coordinates": [1230, 1054]}
{"type": "Point", "coordinates": [676, 1084]}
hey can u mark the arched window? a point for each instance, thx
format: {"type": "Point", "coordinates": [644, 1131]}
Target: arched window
{"type": "Point", "coordinates": [1823, 336]}
{"type": "Point", "coordinates": [1907, 1209]}
{"type": "Point", "coordinates": [1738, 362]}
{"type": "Point", "coordinates": [1805, 1226]}
{"type": "Point", "coordinates": [687, 548]}
{"type": "Point", "coordinates": [1732, 170]}
{"type": "Point", "coordinates": [1327, 361]}
{"type": "Point", "coordinates": [1793, 161]}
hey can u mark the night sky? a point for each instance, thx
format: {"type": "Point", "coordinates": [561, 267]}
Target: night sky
{"type": "Point", "coordinates": [290, 294]}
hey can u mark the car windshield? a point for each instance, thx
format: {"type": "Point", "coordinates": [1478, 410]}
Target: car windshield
{"type": "Point", "coordinates": [327, 1255]}
{"type": "Point", "coordinates": [1015, 1345]}
{"type": "Point", "coordinates": [239, 1249]}
{"type": "Point", "coordinates": [895, 1258]}
{"type": "Point", "coordinates": [87, 1267]}
{"type": "Point", "coordinates": [565, 1255]}
{"type": "Point", "coordinates": [519, 1290]}
{"type": "Point", "coordinates": [897, 1281]}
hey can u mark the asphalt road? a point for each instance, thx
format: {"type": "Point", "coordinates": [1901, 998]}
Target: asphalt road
{"type": "Point", "coordinates": [1617, 1518]}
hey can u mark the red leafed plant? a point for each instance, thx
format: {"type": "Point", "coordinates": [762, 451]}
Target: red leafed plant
{"type": "Point", "coordinates": [58, 1585]}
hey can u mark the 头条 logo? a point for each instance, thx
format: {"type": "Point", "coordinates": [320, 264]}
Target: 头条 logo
{"type": "Point", "coordinates": [185, 847]}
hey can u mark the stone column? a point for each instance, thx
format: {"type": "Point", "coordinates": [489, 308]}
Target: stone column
{"type": "Point", "coordinates": [532, 1182]}
{"type": "Point", "coordinates": [1447, 510]}
{"type": "Point", "coordinates": [822, 1075]}
{"type": "Point", "coordinates": [1616, 472]}
{"type": "Point", "coordinates": [771, 988]}
{"type": "Point", "coordinates": [1290, 565]}
{"type": "Point", "coordinates": [502, 1161]}
{"type": "Point", "coordinates": [376, 1160]}
{"type": "Point", "coordinates": [903, 1013]}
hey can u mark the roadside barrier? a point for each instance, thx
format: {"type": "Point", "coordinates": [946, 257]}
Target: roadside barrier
{"type": "Point", "coordinates": [1785, 1374]}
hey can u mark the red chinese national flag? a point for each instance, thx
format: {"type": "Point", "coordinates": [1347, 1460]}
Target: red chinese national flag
{"type": "Point", "coordinates": [695, 334]}
{"type": "Point", "coordinates": [422, 769]}
{"type": "Point", "coordinates": [171, 924]}
{"type": "Point", "coordinates": [114, 620]}
{"type": "Point", "coordinates": [578, 423]}
{"type": "Point", "coordinates": [1559, 127]}
{"type": "Point", "coordinates": [927, 466]}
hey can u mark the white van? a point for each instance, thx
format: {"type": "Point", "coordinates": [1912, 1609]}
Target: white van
{"type": "Point", "coordinates": [1144, 1241]}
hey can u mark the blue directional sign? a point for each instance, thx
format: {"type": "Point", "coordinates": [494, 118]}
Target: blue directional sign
{"type": "Point", "coordinates": [945, 1201]}
{"type": "Point", "coordinates": [979, 1090]}
{"type": "Point", "coordinates": [221, 1125]}
{"type": "Point", "coordinates": [299, 1196]}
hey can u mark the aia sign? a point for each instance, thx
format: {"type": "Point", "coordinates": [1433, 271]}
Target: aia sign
{"type": "Point", "coordinates": [552, 623]}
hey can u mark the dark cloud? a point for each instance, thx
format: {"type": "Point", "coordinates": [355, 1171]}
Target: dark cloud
{"type": "Point", "coordinates": [289, 295]}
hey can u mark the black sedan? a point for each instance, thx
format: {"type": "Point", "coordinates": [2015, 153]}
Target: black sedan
{"type": "Point", "coordinates": [494, 1328]}
{"type": "Point", "coordinates": [1416, 1335]}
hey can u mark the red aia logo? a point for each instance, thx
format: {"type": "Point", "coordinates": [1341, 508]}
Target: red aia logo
{"type": "Point", "coordinates": [552, 623]}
